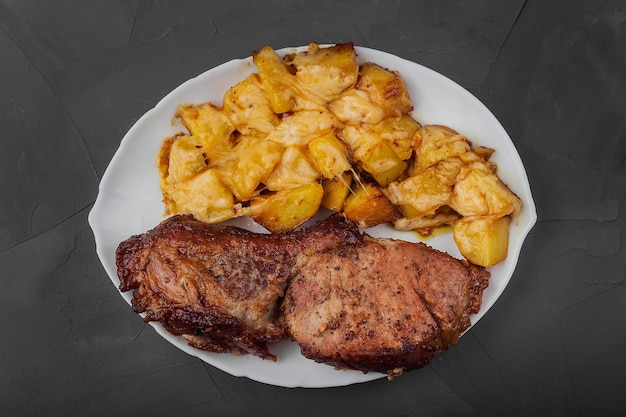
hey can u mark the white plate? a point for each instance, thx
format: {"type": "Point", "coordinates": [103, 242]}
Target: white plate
{"type": "Point", "coordinates": [129, 200]}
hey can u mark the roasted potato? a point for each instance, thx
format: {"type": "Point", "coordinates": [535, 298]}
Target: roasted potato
{"type": "Point", "coordinates": [378, 159]}
{"type": "Point", "coordinates": [355, 108]}
{"type": "Point", "coordinates": [326, 72]}
{"type": "Point", "coordinates": [399, 133]}
{"type": "Point", "coordinates": [330, 155]}
{"type": "Point", "coordinates": [286, 209]}
{"type": "Point", "coordinates": [163, 166]}
{"type": "Point", "coordinates": [385, 89]}
{"type": "Point", "coordinates": [438, 143]}
{"type": "Point", "coordinates": [482, 240]}
{"type": "Point", "coordinates": [204, 196]}
{"type": "Point", "coordinates": [249, 108]}
{"type": "Point", "coordinates": [276, 79]}
{"type": "Point", "coordinates": [421, 194]}
{"type": "Point", "coordinates": [252, 164]}
{"type": "Point", "coordinates": [296, 167]}
{"type": "Point", "coordinates": [336, 191]}
{"type": "Point", "coordinates": [383, 149]}
{"type": "Point", "coordinates": [301, 127]}
{"type": "Point", "coordinates": [212, 128]}
{"type": "Point", "coordinates": [368, 206]}
{"type": "Point", "coordinates": [186, 158]}
{"type": "Point", "coordinates": [479, 192]}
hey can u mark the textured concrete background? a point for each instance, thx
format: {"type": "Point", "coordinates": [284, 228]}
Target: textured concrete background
{"type": "Point", "coordinates": [75, 76]}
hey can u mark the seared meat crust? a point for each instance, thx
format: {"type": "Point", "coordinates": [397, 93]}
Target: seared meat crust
{"type": "Point", "coordinates": [350, 300]}
{"type": "Point", "coordinates": [382, 305]}
{"type": "Point", "coordinates": [218, 286]}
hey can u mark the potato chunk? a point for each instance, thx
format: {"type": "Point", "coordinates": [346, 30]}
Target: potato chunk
{"type": "Point", "coordinates": [368, 207]}
{"type": "Point", "coordinates": [330, 155]}
{"type": "Point", "coordinates": [205, 197]}
{"type": "Point", "coordinates": [301, 127]}
{"type": "Point", "coordinates": [377, 158]}
{"type": "Point", "coordinates": [296, 167]}
{"type": "Point", "coordinates": [205, 121]}
{"type": "Point", "coordinates": [421, 194]}
{"type": "Point", "coordinates": [437, 143]}
{"type": "Point", "coordinates": [186, 158]}
{"type": "Point", "coordinates": [163, 166]}
{"type": "Point", "coordinates": [253, 163]}
{"type": "Point", "coordinates": [479, 192]}
{"type": "Point", "coordinates": [246, 104]}
{"type": "Point", "coordinates": [327, 72]}
{"type": "Point", "coordinates": [385, 89]}
{"type": "Point", "coordinates": [212, 127]}
{"type": "Point", "coordinates": [336, 190]}
{"type": "Point", "coordinates": [286, 209]}
{"type": "Point", "coordinates": [276, 79]}
{"type": "Point", "coordinates": [354, 107]}
{"type": "Point", "coordinates": [399, 134]}
{"type": "Point", "coordinates": [483, 241]}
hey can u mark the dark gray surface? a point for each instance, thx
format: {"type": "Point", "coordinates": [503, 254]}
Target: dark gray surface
{"type": "Point", "coordinates": [74, 76]}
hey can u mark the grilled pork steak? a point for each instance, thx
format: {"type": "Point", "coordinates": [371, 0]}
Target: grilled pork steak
{"type": "Point", "coordinates": [350, 300]}
{"type": "Point", "coordinates": [381, 305]}
{"type": "Point", "coordinates": [218, 286]}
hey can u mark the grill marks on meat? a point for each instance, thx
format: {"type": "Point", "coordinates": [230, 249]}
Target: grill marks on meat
{"type": "Point", "coordinates": [383, 305]}
{"type": "Point", "coordinates": [218, 286]}
{"type": "Point", "coordinates": [347, 299]}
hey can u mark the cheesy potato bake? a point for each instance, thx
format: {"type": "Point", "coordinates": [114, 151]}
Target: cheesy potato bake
{"type": "Point", "coordinates": [315, 129]}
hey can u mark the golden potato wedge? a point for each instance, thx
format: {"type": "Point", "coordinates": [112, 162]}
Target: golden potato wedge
{"type": "Point", "coordinates": [420, 194]}
{"type": "Point", "coordinates": [163, 157]}
{"type": "Point", "coordinates": [301, 127]}
{"type": "Point", "coordinates": [211, 126]}
{"type": "Point", "coordinates": [253, 162]}
{"type": "Point", "coordinates": [438, 143]}
{"type": "Point", "coordinates": [483, 152]}
{"type": "Point", "coordinates": [336, 190]}
{"type": "Point", "coordinates": [286, 209]}
{"type": "Point", "coordinates": [377, 158]}
{"type": "Point", "coordinates": [354, 108]}
{"type": "Point", "coordinates": [296, 167]}
{"type": "Point", "coordinates": [448, 170]}
{"type": "Point", "coordinates": [483, 241]}
{"type": "Point", "coordinates": [205, 197]}
{"type": "Point", "coordinates": [385, 89]}
{"type": "Point", "coordinates": [275, 78]}
{"type": "Point", "coordinates": [368, 206]}
{"type": "Point", "coordinates": [399, 133]}
{"type": "Point", "coordinates": [163, 166]}
{"type": "Point", "coordinates": [326, 72]}
{"type": "Point", "coordinates": [247, 105]}
{"type": "Point", "coordinates": [479, 192]}
{"type": "Point", "coordinates": [187, 157]}
{"type": "Point", "coordinates": [330, 155]}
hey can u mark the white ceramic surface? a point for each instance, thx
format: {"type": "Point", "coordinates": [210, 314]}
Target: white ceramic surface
{"type": "Point", "coordinates": [129, 199]}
